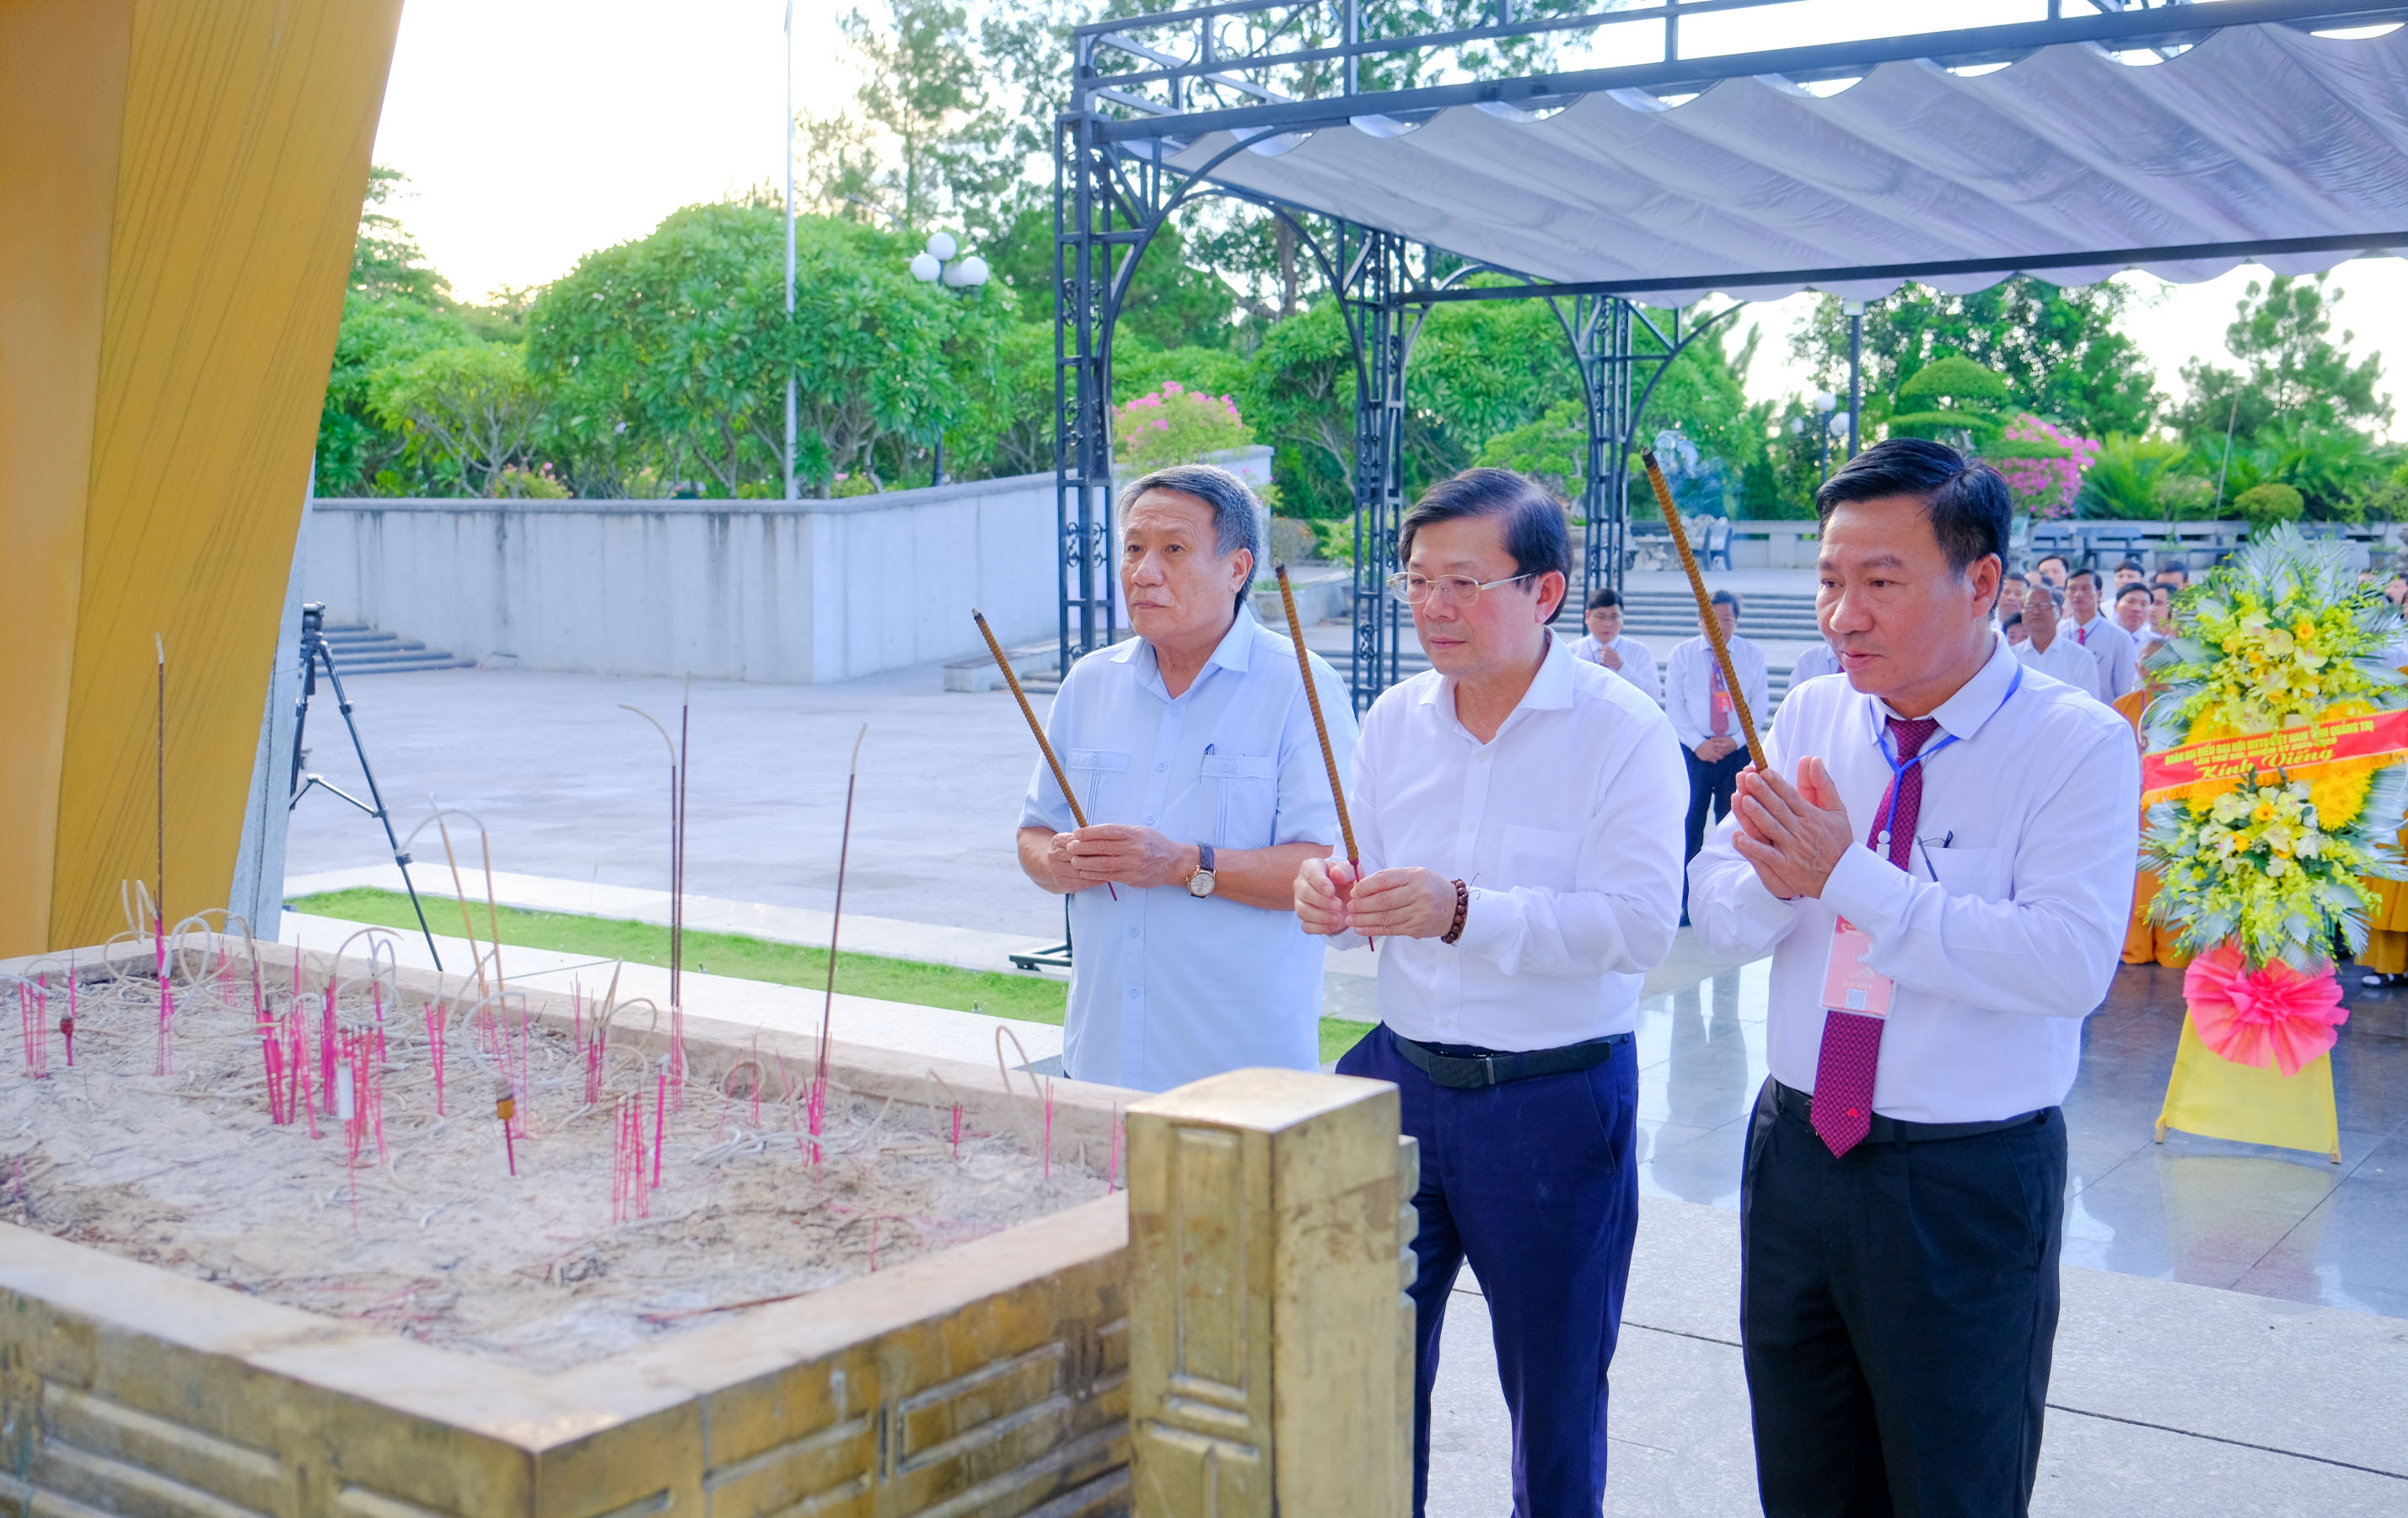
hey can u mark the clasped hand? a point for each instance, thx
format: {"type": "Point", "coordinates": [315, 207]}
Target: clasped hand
{"type": "Point", "coordinates": [1402, 903]}
{"type": "Point", "coordinates": [1794, 835]}
{"type": "Point", "coordinates": [1116, 852]}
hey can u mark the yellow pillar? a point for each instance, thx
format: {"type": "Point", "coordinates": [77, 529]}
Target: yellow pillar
{"type": "Point", "coordinates": [179, 189]}
{"type": "Point", "coordinates": [1270, 1341]}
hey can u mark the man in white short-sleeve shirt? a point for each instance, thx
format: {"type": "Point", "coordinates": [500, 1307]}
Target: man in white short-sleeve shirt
{"type": "Point", "coordinates": [1192, 748]}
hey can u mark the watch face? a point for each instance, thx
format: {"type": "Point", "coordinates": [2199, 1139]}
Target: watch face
{"type": "Point", "coordinates": [1200, 884]}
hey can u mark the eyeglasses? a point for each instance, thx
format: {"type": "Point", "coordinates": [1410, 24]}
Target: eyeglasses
{"type": "Point", "coordinates": [1456, 590]}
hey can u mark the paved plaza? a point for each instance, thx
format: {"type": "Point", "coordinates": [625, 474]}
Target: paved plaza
{"type": "Point", "coordinates": [2204, 1278]}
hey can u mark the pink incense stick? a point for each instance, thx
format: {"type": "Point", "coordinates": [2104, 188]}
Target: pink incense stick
{"type": "Point", "coordinates": [435, 1028]}
{"type": "Point", "coordinates": [660, 1127]}
{"type": "Point", "coordinates": [66, 1023]}
{"type": "Point", "coordinates": [957, 1133]}
{"type": "Point", "coordinates": [1112, 1170]}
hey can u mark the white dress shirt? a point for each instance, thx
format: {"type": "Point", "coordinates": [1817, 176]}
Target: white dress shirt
{"type": "Point", "coordinates": [2067, 661]}
{"type": "Point", "coordinates": [1165, 988]}
{"type": "Point", "coordinates": [1817, 661]}
{"type": "Point", "coordinates": [1637, 662]}
{"type": "Point", "coordinates": [2005, 934]}
{"type": "Point", "coordinates": [1566, 827]}
{"type": "Point", "coordinates": [1689, 697]}
{"type": "Point", "coordinates": [2118, 656]}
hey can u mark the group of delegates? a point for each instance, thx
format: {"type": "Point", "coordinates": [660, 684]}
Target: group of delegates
{"type": "Point", "coordinates": [1936, 860]}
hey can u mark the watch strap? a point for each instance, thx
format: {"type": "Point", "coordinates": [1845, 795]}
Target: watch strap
{"type": "Point", "coordinates": [1204, 857]}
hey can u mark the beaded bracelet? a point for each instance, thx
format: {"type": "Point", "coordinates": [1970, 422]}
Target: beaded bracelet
{"type": "Point", "coordinates": [1462, 908]}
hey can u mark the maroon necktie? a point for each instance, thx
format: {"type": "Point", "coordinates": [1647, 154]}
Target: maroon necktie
{"type": "Point", "coordinates": [1851, 1052]}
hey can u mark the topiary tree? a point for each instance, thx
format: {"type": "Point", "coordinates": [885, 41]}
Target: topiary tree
{"type": "Point", "coordinates": [1951, 395]}
{"type": "Point", "coordinates": [2267, 505]}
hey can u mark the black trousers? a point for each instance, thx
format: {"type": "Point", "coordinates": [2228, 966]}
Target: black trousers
{"type": "Point", "coordinates": [1710, 788]}
{"type": "Point", "coordinates": [1897, 1309]}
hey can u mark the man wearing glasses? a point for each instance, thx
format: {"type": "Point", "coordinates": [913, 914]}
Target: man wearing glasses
{"type": "Point", "coordinates": [1515, 810]}
{"type": "Point", "coordinates": [1192, 748]}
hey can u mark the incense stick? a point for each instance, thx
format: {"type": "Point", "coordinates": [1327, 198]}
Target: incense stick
{"type": "Point", "coordinates": [1705, 608]}
{"type": "Point", "coordinates": [1320, 726]}
{"type": "Point", "coordinates": [835, 921]}
{"type": "Point", "coordinates": [1077, 814]}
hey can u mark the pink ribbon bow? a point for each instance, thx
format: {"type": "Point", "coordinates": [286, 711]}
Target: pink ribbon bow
{"type": "Point", "coordinates": [2276, 1017]}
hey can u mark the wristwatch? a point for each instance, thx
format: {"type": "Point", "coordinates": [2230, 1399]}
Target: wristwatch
{"type": "Point", "coordinates": [1199, 884]}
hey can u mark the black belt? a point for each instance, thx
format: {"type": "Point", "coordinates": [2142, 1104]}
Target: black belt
{"type": "Point", "coordinates": [1468, 1068]}
{"type": "Point", "coordinates": [1898, 1130]}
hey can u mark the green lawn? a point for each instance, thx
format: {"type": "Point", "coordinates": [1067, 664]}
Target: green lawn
{"type": "Point", "coordinates": [1000, 994]}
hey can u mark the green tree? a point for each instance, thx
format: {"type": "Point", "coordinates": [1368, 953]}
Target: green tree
{"type": "Point", "coordinates": [1951, 397]}
{"type": "Point", "coordinates": [2292, 373]}
{"type": "Point", "coordinates": [469, 412]}
{"type": "Point", "coordinates": [2057, 350]}
{"type": "Point", "coordinates": [670, 354]}
{"type": "Point", "coordinates": [921, 140]}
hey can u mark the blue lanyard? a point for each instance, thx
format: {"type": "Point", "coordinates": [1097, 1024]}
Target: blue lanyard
{"type": "Point", "coordinates": [1898, 767]}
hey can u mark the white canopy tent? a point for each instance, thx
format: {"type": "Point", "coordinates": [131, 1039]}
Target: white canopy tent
{"type": "Point", "coordinates": [1757, 188]}
{"type": "Point", "coordinates": [2178, 138]}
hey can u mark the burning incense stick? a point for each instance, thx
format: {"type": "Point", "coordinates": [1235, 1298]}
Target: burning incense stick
{"type": "Point", "coordinates": [1320, 724]}
{"type": "Point", "coordinates": [506, 1107]}
{"type": "Point", "coordinates": [835, 921]}
{"type": "Point", "coordinates": [1077, 814]}
{"type": "Point", "coordinates": [1705, 608]}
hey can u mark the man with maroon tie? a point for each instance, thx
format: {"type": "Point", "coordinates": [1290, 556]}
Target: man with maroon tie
{"type": "Point", "coordinates": [1939, 863]}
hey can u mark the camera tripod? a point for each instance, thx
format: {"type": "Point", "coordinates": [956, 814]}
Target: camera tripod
{"type": "Point", "coordinates": [315, 650]}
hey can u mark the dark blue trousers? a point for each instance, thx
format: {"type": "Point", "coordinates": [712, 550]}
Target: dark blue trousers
{"type": "Point", "coordinates": [1897, 1309]}
{"type": "Point", "coordinates": [1535, 1183]}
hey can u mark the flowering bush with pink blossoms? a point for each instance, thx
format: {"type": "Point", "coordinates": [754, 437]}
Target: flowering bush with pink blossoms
{"type": "Point", "coordinates": [1175, 425]}
{"type": "Point", "coordinates": [2042, 464]}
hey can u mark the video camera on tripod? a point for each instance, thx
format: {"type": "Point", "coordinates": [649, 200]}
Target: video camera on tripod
{"type": "Point", "coordinates": [317, 651]}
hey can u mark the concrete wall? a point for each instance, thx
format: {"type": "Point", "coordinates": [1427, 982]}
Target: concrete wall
{"type": "Point", "coordinates": [786, 591]}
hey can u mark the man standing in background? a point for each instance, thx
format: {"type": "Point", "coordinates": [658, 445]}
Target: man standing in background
{"type": "Point", "coordinates": [1705, 715]}
{"type": "Point", "coordinates": [1607, 645]}
{"type": "Point", "coordinates": [2119, 661]}
{"type": "Point", "coordinates": [2051, 650]}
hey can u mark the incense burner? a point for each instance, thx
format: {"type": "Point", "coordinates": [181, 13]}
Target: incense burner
{"type": "Point", "coordinates": [990, 1377]}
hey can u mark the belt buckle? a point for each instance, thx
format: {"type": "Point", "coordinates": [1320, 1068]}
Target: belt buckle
{"type": "Point", "coordinates": [1488, 1068]}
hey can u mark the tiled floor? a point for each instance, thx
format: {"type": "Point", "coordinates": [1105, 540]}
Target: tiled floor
{"type": "Point", "coordinates": [2272, 1222]}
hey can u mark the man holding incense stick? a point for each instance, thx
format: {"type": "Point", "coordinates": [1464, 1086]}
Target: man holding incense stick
{"type": "Point", "coordinates": [1940, 860]}
{"type": "Point", "coordinates": [1518, 813]}
{"type": "Point", "coordinates": [1193, 749]}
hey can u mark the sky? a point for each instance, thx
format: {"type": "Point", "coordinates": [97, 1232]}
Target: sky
{"type": "Point", "coordinates": [535, 130]}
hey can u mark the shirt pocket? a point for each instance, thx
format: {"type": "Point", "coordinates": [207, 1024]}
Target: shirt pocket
{"type": "Point", "coordinates": [1245, 791]}
{"type": "Point", "coordinates": [1971, 872]}
{"type": "Point", "coordinates": [1545, 858]}
{"type": "Point", "coordinates": [1096, 775]}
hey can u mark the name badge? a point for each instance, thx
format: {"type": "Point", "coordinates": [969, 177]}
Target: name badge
{"type": "Point", "coordinates": [1850, 985]}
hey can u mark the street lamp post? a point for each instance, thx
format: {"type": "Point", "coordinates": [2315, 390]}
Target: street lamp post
{"type": "Point", "coordinates": [1825, 403]}
{"type": "Point", "coordinates": [938, 264]}
{"type": "Point", "coordinates": [791, 407]}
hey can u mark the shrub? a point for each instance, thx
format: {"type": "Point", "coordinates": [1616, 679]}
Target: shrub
{"type": "Point", "coordinates": [1175, 425]}
{"type": "Point", "coordinates": [2265, 505]}
{"type": "Point", "coordinates": [2042, 464]}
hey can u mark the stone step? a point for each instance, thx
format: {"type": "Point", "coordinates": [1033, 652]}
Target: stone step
{"type": "Point", "coordinates": [361, 649]}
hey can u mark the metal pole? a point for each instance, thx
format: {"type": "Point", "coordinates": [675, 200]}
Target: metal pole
{"type": "Point", "coordinates": [1856, 309]}
{"type": "Point", "coordinates": [791, 398]}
